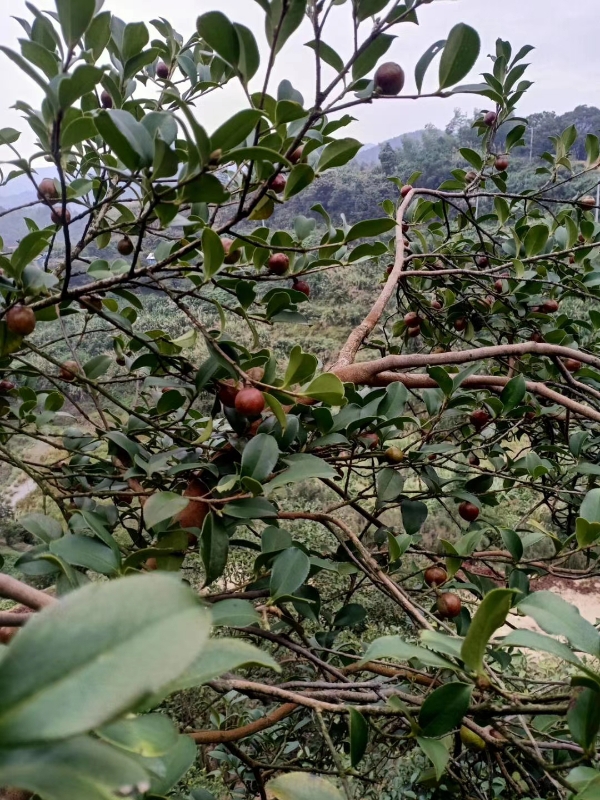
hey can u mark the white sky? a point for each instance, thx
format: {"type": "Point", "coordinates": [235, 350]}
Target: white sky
{"type": "Point", "coordinates": [565, 64]}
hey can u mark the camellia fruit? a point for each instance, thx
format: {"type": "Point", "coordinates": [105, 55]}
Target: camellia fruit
{"type": "Point", "coordinates": [278, 264]}
{"type": "Point", "coordinates": [301, 286]}
{"type": "Point", "coordinates": [69, 371]}
{"type": "Point", "coordinates": [125, 246]}
{"type": "Point", "coordinates": [490, 118]}
{"type": "Point", "coordinates": [571, 364]}
{"type": "Point", "coordinates": [20, 320]}
{"type": "Point", "coordinates": [58, 218]}
{"type": "Point", "coordinates": [227, 392]}
{"type": "Point", "coordinates": [106, 100]}
{"type": "Point", "coordinates": [231, 256]}
{"type": "Point", "coordinates": [406, 189]}
{"type": "Point", "coordinates": [194, 514]}
{"type": "Point", "coordinates": [549, 306]}
{"type": "Point", "coordinates": [449, 605]}
{"type": "Point", "coordinates": [501, 163]}
{"type": "Point", "coordinates": [47, 190]}
{"type": "Point", "coordinates": [370, 440]}
{"type": "Point", "coordinates": [162, 71]}
{"type": "Point", "coordinates": [435, 576]}
{"type": "Point", "coordinates": [395, 455]}
{"type": "Point", "coordinates": [389, 79]}
{"type": "Point", "coordinates": [480, 418]}
{"type": "Point", "coordinates": [296, 155]}
{"type": "Point", "coordinates": [587, 201]}
{"type": "Point", "coordinates": [250, 402]}
{"type": "Point", "coordinates": [277, 184]}
{"type": "Point", "coordinates": [411, 319]}
{"type": "Point", "coordinates": [460, 324]}
{"type": "Point", "coordinates": [468, 511]}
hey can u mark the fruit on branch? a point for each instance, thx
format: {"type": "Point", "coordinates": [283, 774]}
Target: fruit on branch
{"type": "Point", "coordinates": [581, 238]}
{"type": "Point", "coordinates": [125, 246]}
{"type": "Point", "coordinates": [435, 576]}
{"type": "Point", "coordinates": [47, 190]}
{"type": "Point", "coordinates": [482, 261]}
{"type": "Point", "coordinates": [296, 155]}
{"type": "Point", "coordinates": [536, 337]}
{"type": "Point", "coordinates": [468, 511]}
{"type": "Point", "coordinates": [437, 305]}
{"type": "Point", "coordinates": [471, 740]}
{"type": "Point", "coordinates": [406, 189]}
{"type": "Point", "coordinates": [106, 100]}
{"type": "Point", "coordinates": [69, 371]}
{"type": "Point", "coordinates": [301, 286]}
{"type": "Point", "coordinates": [501, 163]}
{"type": "Point", "coordinates": [88, 302]}
{"type": "Point", "coordinates": [58, 217]}
{"type": "Point", "coordinates": [231, 256]}
{"type": "Point", "coordinates": [278, 264]}
{"type": "Point", "coordinates": [470, 176]}
{"type": "Point", "coordinates": [571, 258]}
{"type": "Point", "coordinates": [490, 118]}
{"type": "Point", "coordinates": [395, 455]}
{"type": "Point", "coordinates": [151, 564]}
{"type": "Point", "coordinates": [587, 201]}
{"type": "Point", "coordinates": [389, 79]}
{"type": "Point", "coordinates": [162, 71]}
{"type": "Point", "coordinates": [277, 183]}
{"type": "Point", "coordinates": [370, 440]}
{"type": "Point", "coordinates": [449, 605]}
{"type": "Point", "coordinates": [414, 332]}
{"type": "Point", "coordinates": [194, 514]}
{"type": "Point", "coordinates": [20, 320]}
{"type": "Point", "coordinates": [228, 391]}
{"type": "Point", "coordinates": [479, 418]}
{"type": "Point", "coordinates": [256, 373]}
{"type": "Point", "coordinates": [549, 306]}
{"type": "Point", "coordinates": [460, 324]}
{"type": "Point", "coordinates": [411, 319]}
{"type": "Point", "coordinates": [250, 402]}
{"type": "Point", "coordinates": [571, 364]}
{"type": "Point", "coordinates": [6, 386]}
{"type": "Point", "coordinates": [474, 460]}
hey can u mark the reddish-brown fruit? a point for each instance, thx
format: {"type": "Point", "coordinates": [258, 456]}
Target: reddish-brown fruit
{"type": "Point", "coordinates": [296, 155]}
{"type": "Point", "coordinates": [389, 78]}
{"type": "Point", "coordinates": [106, 100]}
{"type": "Point", "coordinates": [231, 256]}
{"type": "Point", "coordinates": [549, 306]}
{"type": "Point", "coordinates": [480, 418]}
{"type": "Point", "coordinates": [250, 402]}
{"type": "Point", "coordinates": [58, 218]}
{"type": "Point", "coordinates": [411, 319]}
{"type": "Point", "coordinates": [227, 392]}
{"type": "Point", "coordinates": [449, 605]}
{"type": "Point", "coordinates": [405, 227]}
{"type": "Point", "coordinates": [530, 415]}
{"type": "Point", "coordinates": [490, 118]}
{"type": "Point", "coordinates": [47, 190]}
{"type": "Point", "coordinates": [501, 163]}
{"type": "Point", "coordinates": [482, 261]}
{"type": "Point", "coordinates": [194, 514]}
{"type": "Point", "coordinates": [436, 305]}
{"type": "Point", "coordinates": [69, 371]}
{"type": "Point", "coordinates": [474, 460]}
{"type": "Point", "coordinates": [470, 176]}
{"type": "Point", "coordinates": [389, 270]}
{"type": "Point", "coordinates": [406, 189]}
{"type": "Point", "coordinates": [301, 286]}
{"type": "Point", "coordinates": [162, 71]}
{"type": "Point", "coordinates": [581, 238]}
{"type": "Point", "coordinates": [370, 440]}
{"type": "Point", "coordinates": [278, 264]}
{"type": "Point", "coordinates": [277, 184]}
{"type": "Point", "coordinates": [587, 201]}
{"type": "Point", "coordinates": [125, 246]}
{"type": "Point", "coordinates": [435, 576]}
{"type": "Point", "coordinates": [6, 386]}
{"type": "Point", "coordinates": [460, 324]}
{"type": "Point", "coordinates": [120, 361]}
{"type": "Point", "coordinates": [20, 320]}
{"type": "Point", "coordinates": [151, 564]}
{"type": "Point", "coordinates": [571, 259]}
{"type": "Point", "coordinates": [414, 332]}
{"type": "Point", "coordinates": [468, 511]}
{"type": "Point", "coordinates": [256, 373]}
{"type": "Point", "coordinates": [571, 364]}
{"type": "Point", "coordinates": [499, 285]}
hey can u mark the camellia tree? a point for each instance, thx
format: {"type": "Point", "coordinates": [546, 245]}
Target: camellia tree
{"type": "Point", "coordinates": [228, 513]}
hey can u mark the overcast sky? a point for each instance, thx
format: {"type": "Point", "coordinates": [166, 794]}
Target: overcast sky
{"type": "Point", "coordinates": [565, 64]}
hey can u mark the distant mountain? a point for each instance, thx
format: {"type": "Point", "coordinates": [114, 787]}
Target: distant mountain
{"type": "Point", "coordinates": [369, 155]}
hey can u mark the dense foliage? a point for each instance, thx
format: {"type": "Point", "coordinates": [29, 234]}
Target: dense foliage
{"type": "Point", "coordinates": [328, 640]}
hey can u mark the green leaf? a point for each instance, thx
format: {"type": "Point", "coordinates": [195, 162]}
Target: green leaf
{"type": "Point", "coordinates": [149, 736]}
{"type": "Point", "coordinates": [238, 613]}
{"type": "Point", "coordinates": [260, 457]}
{"type": "Point", "coordinates": [369, 57]}
{"type": "Point", "coordinates": [283, 18]}
{"type": "Point", "coordinates": [82, 551]}
{"type": "Point", "coordinates": [559, 618]}
{"type": "Point", "coordinates": [393, 647]}
{"type": "Point", "coordinates": [536, 239]}
{"type": "Point", "coordinates": [389, 486]}
{"type": "Point", "coordinates": [513, 543]}
{"type": "Point", "coordinates": [326, 388]}
{"type": "Point", "coordinates": [214, 252]}
{"type": "Point", "coordinates": [327, 54]}
{"type": "Point", "coordinates": [349, 615]}
{"type": "Point", "coordinates": [43, 527]}
{"type": "Point", "coordinates": [338, 153]}
{"type": "Point", "coordinates": [460, 54]}
{"type": "Point", "coordinates": [249, 60]}
{"type": "Point", "coordinates": [214, 548]}
{"type": "Point", "coordinates": [414, 514]}
{"type": "Point", "coordinates": [174, 765]}
{"type": "Point", "coordinates": [127, 137]}
{"type": "Point", "coordinates": [301, 176]}
{"type": "Point", "coordinates": [28, 249]}
{"type": "Point", "coordinates": [444, 709]}
{"type": "Point", "coordinates": [425, 61]}
{"type": "Point", "coordinates": [370, 227]}
{"type": "Point", "coordinates": [490, 615]}
{"type": "Point", "coordinates": [220, 656]}
{"type": "Point", "coordinates": [302, 786]}
{"type": "Point", "coordinates": [86, 640]}
{"type": "Point", "coordinates": [97, 366]}
{"type": "Point", "coordinates": [235, 130]}
{"type": "Point", "coordinates": [359, 736]}
{"type": "Point", "coordinates": [590, 507]}
{"type": "Point", "coordinates": [301, 467]}
{"type": "Point", "coordinates": [163, 506]}
{"type": "Point", "coordinates": [135, 38]}
{"type": "Point", "coordinates": [218, 32]}
{"type": "Point", "coordinates": [9, 135]}
{"type": "Point", "coordinates": [583, 719]}
{"type": "Point", "coordinates": [301, 367]}
{"type": "Point", "coordinates": [78, 131]}
{"type": "Point", "coordinates": [290, 570]}
{"type": "Point", "coordinates": [513, 393]}
{"type": "Point", "coordinates": [537, 641]}
{"type": "Point", "coordinates": [436, 752]}
{"type": "Point", "coordinates": [252, 508]}
{"type": "Point", "coordinates": [75, 17]}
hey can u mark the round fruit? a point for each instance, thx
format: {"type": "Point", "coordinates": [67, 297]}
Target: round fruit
{"type": "Point", "coordinates": [6, 387]}
{"type": "Point", "coordinates": [47, 190]}
{"type": "Point", "coordinates": [277, 184]}
{"type": "Point", "coordinates": [389, 79]}
{"type": "Point", "coordinates": [470, 176]}
{"type": "Point", "coordinates": [250, 402]}
{"type": "Point", "coordinates": [468, 511]}
{"type": "Point", "coordinates": [435, 576]}
{"type": "Point", "coordinates": [58, 218]}
{"type": "Point", "coordinates": [227, 392]}
{"type": "Point", "coordinates": [20, 320]}
{"type": "Point", "coordinates": [106, 100]}
{"type": "Point", "coordinates": [490, 118]}
{"type": "Point", "coordinates": [449, 605]}
{"type": "Point", "coordinates": [411, 319]}
{"type": "Point", "coordinates": [278, 264]}
{"type": "Point", "coordinates": [231, 256]}
{"type": "Point", "coordinates": [394, 455]}
{"type": "Point", "coordinates": [460, 324]}
{"type": "Point", "coordinates": [194, 514]}
{"type": "Point", "coordinates": [437, 305]}
{"type": "Point", "coordinates": [69, 371]}
{"type": "Point", "coordinates": [151, 564]}
{"type": "Point", "coordinates": [405, 227]}
{"type": "Point", "coordinates": [549, 306]}
{"type": "Point", "coordinates": [414, 332]}
{"type": "Point", "coordinates": [471, 739]}
{"type": "Point", "coordinates": [499, 286]}
{"type": "Point", "coordinates": [571, 259]}
{"type": "Point", "coordinates": [301, 286]}
{"type": "Point", "coordinates": [480, 418]}
{"type": "Point", "coordinates": [571, 364]}
{"type": "Point", "coordinates": [482, 261]}
{"type": "Point", "coordinates": [474, 460]}
{"type": "Point", "coordinates": [501, 163]}
{"type": "Point", "coordinates": [162, 71]}
{"type": "Point", "coordinates": [370, 440]}
{"type": "Point", "coordinates": [296, 155]}
{"type": "Point", "coordinates": [581, 238]}
{"type": "Point", "coordinates": [587, 201]}
{"type": "Point", "coordinates": [406, 189]}
{"type": "Point", "coordinates": [125, 246]}
{"type": "Point", "coordinates": [536, 337]}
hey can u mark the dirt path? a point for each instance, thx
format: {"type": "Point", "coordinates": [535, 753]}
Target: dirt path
{"type": "Point", "coordinates": [21, 492]}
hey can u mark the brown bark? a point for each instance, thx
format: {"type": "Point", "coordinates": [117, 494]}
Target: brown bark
{"type": "Point", "coordinates": [234, 735]}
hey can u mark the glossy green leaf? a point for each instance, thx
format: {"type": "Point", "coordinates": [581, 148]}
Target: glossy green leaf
{"type": "Point", "coordinates": [414, 514]}
{"type": "Point", "coordinates": [338, 153]}
{"type": "Point", "coordinates": [436, 752]}
{"type": "Point", "coordinates": [127, 137]}
{"type": "Point", "coordinates": [303, 786]}
{"type": "Point", "coordinates": [369, 57]}
{"type": "Point", "coordinates": [425, 61]}
{"type": "Point", "coordinates": [149, 735]}
{"type": "Point", "coordinates": [214, 548]}
{"type": "Point", "coordinates": [326, 388]}
{"type": "Point", "coordinates": [213, 251]}
{"type": "Point", "coordinates": [359, 736]}
{"type": "Point", "coordinates": [260, 457]}
{"type": "Point", "coordinates": [163, 506]}
{"type": "Point", "coordinates": [460, 54]}
{"type": "Point", "coordinates": [237, 613]}
{"type": "Point", "coordinates": [75, 17]}
{"type": "Point", "coordinates": [218, 32]}
{"type": "Point", "coordinates": [583, 718]}
{"type": "Point", "coordinates": [444, 709]}
{"type": "Point", "coordinates": [327, 54]}
{"type": "Point", "coordinates": [393, 647]}
{"type": "Point", "coordinates": [82, 551]}
{"type": "Point", "coordinates": [513, 393]}
{"type": "Point", "coordinates": [283, 18]}
{"type": "Point", "coordinates": [301, 467]}
{"type": "Point", "coordinates": [235, 130]}
{"type": "Point", "coordinates": [370, 227]}
{"type": "Point", "coordinates": [220, 656]}
{"type": "Point", "coordinates": [290, 570]}
{"type": "Point", "coordinates": [490, 615]}
{"type": "Point", "coordinates": [559, 618]}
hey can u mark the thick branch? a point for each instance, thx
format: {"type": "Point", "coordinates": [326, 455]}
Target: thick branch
{"type": "Point", "coordinates": [12, 589]}
{"type": "Point", "coordinates": [234, 735]}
